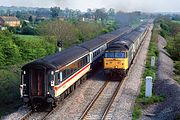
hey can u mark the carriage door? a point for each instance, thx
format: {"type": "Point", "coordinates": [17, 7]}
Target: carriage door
{"type": "Point", "coordinates": [37, 82]}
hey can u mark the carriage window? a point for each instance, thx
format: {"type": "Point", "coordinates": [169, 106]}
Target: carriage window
{"type": "Point", "coordinates": [119, 54]}
{"type": "Point", "coordinates": [74, 67]}
{"type": "Point", "coordinates": [88, 59]}
{"type": "Point", "coordinates": [109, 55]}
{"type": "Point", "coordinates": [57, 80]}
{"type": "Point", "coordinates": [97, 52]}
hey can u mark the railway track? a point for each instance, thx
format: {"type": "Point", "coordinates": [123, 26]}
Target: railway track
{"type": "Point", "coordinates": [27, 115]}
{"type": "Point", "coordinates": [35, 115]}
{"type": "Point", "coordinates": [101, 103]}
{"type": "Point", "coordinates": [31, 115]}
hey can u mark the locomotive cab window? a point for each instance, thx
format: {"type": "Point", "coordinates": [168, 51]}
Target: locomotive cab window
{"type": "Point", "coordinates": [115, 55]}
{"type": "Point", "coordinates": [109, 55]}
{"type": "Point", "coordinates": [120, 55]}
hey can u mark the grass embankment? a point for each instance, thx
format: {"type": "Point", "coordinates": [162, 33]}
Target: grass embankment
{"type": "Point", "coordinates": [29, 37]}
{"type": "Point", "coordinates": [175, 21]}
{"type": "Point", "coordinates": [170, 30]}
{"type": "Point", "coordinates": [141, 100]}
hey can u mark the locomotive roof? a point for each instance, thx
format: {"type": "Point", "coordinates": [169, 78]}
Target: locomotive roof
{"type": "Point", "coordinates": [60, 59]}
{"type": "Point", "coordinates": [102, 39]}
{"type": "Point", "coordinates": [133, 35]}
{"type": "Point", "coordinates": [121, 44]}
{"type": "Point", "coordinates": [125, 41]}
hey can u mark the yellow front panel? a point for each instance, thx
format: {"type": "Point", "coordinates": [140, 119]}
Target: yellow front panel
{"type": "Point", "coordinates": [118, 63]}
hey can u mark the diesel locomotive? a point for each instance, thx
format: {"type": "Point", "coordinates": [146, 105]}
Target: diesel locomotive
{"type": "Point", "coordinates": [120, 53]}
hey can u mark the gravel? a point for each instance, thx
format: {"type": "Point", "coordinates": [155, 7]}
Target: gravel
{"type": "Point", "coordinates": [166, 86]}
{"type": "Point", "coordinates": [121, 108]}
{"type": "Point", "coordinates": [74, 106]}
{"type": "Point", "coordinates": [97, 110]}
{"type": "Point", "coordinates": [18, 114]}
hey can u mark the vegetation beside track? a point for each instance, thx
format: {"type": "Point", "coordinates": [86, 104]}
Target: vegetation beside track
{"type": "Point", "coordinates": [16, 50]}
{"type": "Point", "coordinates": [170, 30]}
{"type": "Point", "coordinates": [141, 100]}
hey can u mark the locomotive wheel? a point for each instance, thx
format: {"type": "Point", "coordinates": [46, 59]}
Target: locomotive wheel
{"type": "Point", "coordinates": [49, 107]}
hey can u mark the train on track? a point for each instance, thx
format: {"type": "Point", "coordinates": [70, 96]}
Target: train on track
{"type": "Point", "coordinates": [46, 80]}
{"type": "Point", "coordinates": [120, 53]}
{"type": "Point", "coordinates": [53, 77]}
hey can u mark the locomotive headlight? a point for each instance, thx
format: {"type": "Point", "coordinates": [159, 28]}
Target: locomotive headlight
{"type": "Point", "coordinates": [24, 72]}
{"type": "Point", "coordinates": [52, 72]}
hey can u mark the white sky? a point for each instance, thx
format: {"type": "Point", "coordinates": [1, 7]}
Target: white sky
{"type": "Point", "coordinates": [123, 5]}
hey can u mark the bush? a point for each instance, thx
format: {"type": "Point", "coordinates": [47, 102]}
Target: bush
{"type": "Point", "coordinates": [9, 52]}
{"type": "Point", "coordinates": [9, 86]}
{"type": "Point", "coordinates": [164, 26]}
{"type": "Point", "coordinates": [34, 48]}
{"type": "Point", "coordinates": [177, 67]}
{"type": "Point", "coordinates": [27, 30]}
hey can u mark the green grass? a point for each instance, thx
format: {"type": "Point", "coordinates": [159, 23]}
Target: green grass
{"type": "Point", "coordinates": [29, 37]}
{"type": "Point", "coordinates": [175, 21]}
{"type": "Point", "coordinates": [137, 112]}
{"type": "Point", "coordinates": [177, 71]}
{"type": "Point", "coordinates": [149, 100]}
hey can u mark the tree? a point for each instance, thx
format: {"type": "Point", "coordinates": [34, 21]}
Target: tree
{"type": "Point", "coordinates": [18, 14]}
{"type": "Point", "coordinates": [30, 18]}
{"type": "Point", "coordinates": [89, 30]}
{"type": "Point", "coordinates": [174, 29]}
{"type": "Point", "coordinates": [89, 13]}
{"type": "Point", "coordinates": [111, 13]}
{"type": "Point", "coordinates": [9, 50]}
{"type": "Point", "coordinates": [28, 30]}
{"type": "Point", "coordinates": [2, 12]}
{"type": "Point", "coordinates": [55, 11]}
{"type": "Point", "coordinates": [100, 14]}
{"type": "Point", "coordinates": [59, 30]}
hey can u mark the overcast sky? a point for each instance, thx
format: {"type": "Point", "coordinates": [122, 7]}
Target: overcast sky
{"type": "Point", "coordinates": [123, 5]}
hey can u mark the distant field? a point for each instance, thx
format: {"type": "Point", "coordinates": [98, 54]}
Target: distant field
{"type": "Point", "coordinates": [176, 21]}
{"type": "Point", "coordinates": [29, 37]}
